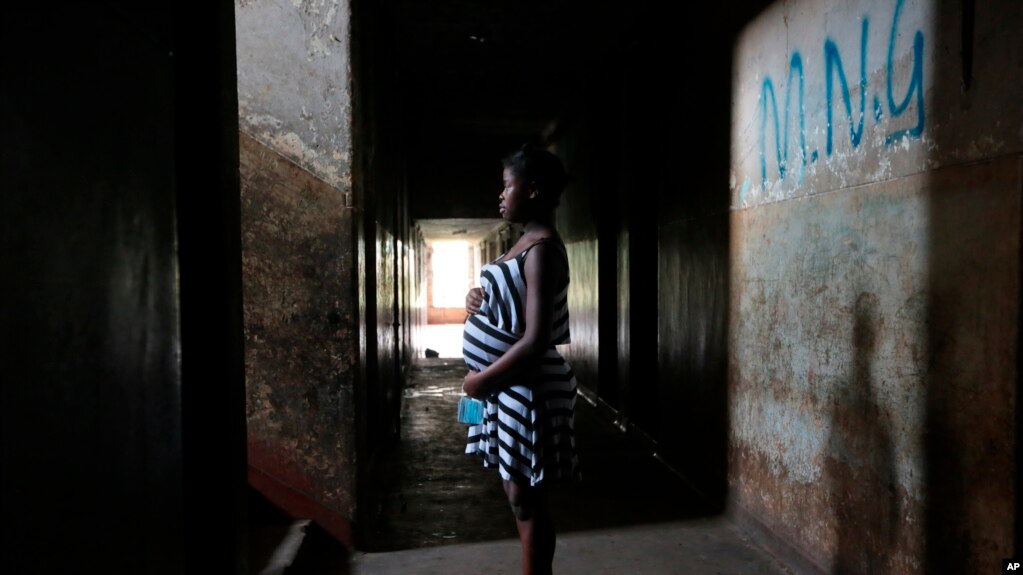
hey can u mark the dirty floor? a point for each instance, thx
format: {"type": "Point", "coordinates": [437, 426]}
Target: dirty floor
{"type": "Point", "coordinates": [439, 511]}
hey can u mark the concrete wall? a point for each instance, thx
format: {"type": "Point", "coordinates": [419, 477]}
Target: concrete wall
{"type": "Point", "coordinates": [875, 187]}
{"type": "Point", "coordinates": [809, 328]}
{"type": "Point", "coordinates": [386, 246]}
{"type": "Point", "coordinates": [294, 92]}
{"type": "Point", "coordinates": [692, 241]}
{"type": "Point", "coordinates": [418, 288]}
{"type": "Point", "coordinates": [385, 236]}
{"type": "Point", "coordinates": [647, 233]}
{"type": "Point", "coordinates": [300, 256]}
{"type": "Point", "coordinates": [383, 291]}
{"type": "Point", "coordinates": [300, 336]}
{"type": "Point", "coordinates": [577, 225]}
{"type": "Point", "coordinates": [121, 408]}
{"type": "Point", "coordinates": [586, 144]}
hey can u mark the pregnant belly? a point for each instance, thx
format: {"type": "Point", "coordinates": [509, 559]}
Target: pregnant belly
{"type": "Point", "coordinates": [483, 342]}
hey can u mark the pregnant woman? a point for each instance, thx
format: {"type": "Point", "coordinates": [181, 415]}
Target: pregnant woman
{"type": "Point", "coordinates": [517, 317]}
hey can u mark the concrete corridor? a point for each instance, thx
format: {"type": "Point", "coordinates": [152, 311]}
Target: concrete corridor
{"type": "Point", "coordinates": [794, 236]}
{"type": "Point", "coordinates": [440, 512]}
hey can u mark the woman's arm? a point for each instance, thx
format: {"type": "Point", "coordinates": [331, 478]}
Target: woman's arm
{"type": "Point", "coordinates": [541, 271]}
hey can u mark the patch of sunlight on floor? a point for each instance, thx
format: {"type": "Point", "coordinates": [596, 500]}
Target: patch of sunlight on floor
{"type": "Point", "coordinates": [444, 338]}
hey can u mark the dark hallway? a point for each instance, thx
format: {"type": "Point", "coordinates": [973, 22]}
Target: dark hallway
{"type": "Point", "coordinates": [793, 232]}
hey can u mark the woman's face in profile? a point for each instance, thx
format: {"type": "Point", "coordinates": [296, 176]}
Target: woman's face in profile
{"type": "Point", "coordinates": [514, 198]}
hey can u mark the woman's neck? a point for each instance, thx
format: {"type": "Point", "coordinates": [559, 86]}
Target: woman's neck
{"type": "Point", "coordinates": [539, 224]}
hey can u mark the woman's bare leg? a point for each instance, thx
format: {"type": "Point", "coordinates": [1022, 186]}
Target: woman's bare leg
{"type": "Point", "coordinates": [536, 530]}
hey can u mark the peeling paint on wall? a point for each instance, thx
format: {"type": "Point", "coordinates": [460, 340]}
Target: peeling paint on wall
{"type": "Point", "coordinates": [832, 365]}
{"type": "Point", "coordinates": [848, 95]}
{"type": "Point", "coordinates": [875, 224]}
{"type": "Point", "coordinates": [293, 82]}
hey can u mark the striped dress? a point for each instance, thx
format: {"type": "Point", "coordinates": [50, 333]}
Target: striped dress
{"type": "Point", "coordinates": [528, 428]}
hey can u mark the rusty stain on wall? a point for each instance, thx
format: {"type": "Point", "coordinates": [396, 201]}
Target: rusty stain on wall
{"type": "Point", "coordinates": [874, 271]}
{"type": "Point", "coordinates": [300, 336]}
{"type": "Point", "coordinates": [837, 305]}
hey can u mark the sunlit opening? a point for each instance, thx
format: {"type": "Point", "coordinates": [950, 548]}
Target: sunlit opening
{"type": "Point", "coordinates": [450, 278]}
{"type": "Point", "coordinates": [450, 273]}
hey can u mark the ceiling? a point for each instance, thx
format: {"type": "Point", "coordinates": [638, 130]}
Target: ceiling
{"type": "Point", "coordinates": [468, 229]}
{"type": "Point", "coordinates": [477, 79]}
{"type": "Point", "coordinates": [485, 67]}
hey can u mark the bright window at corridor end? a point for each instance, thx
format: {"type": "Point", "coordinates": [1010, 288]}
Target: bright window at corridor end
{"type": "Point", "coordinates": [450, 273]}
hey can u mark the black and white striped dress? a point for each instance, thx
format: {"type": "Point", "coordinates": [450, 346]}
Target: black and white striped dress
{"type": "Point", "coordinates": [528, 428]}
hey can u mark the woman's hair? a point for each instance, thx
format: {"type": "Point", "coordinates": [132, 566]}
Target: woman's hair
{"type": "Point", "coordinates": [542, 168]}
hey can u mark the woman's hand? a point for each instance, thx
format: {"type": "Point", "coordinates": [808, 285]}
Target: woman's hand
{"type": "Point", "coordinates": [473, 300]}
{"type": "Point", "coordinates": [472, 386]}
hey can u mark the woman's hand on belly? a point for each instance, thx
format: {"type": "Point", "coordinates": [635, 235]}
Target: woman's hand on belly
{"type": "Point", "coordinates": [472, 385]}
{"type": "Point", "coordinates": [473, 300]}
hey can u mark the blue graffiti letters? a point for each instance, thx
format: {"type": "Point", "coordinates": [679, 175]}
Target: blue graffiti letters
{"type": "Point", "coordinates": [839, 93]}
{"type": "Point", "coordinates": [916, 84]}
{"type": "Point", "coordinates": [833, 65]}
{"type": "Point", "coordinates": [781, 143]}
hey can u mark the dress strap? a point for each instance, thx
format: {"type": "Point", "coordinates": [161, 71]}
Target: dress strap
{"type": "Point", "coordinates": [543, 239]}
{"type": "Point", "coordinates": [561, 248]}
{"type": "Point", "coordinates": [519, 255]}
{"type": "Point", "coordinates": [522, 254]}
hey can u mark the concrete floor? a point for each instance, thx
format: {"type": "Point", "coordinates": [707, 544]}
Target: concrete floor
{"type": "Point", "coordinates": [439, 511]}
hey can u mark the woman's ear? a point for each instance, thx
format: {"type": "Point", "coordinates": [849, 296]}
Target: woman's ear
{"type": "Point", "coordinates": [533, 190]}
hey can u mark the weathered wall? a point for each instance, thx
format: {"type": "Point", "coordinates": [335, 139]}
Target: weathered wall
{"type": "Point", "coordinates": [876, 179]}
{"type": "Point", "coordinates": [300, 256]}
{"type": "Point", "coordinates": [576, 222]}
{"type": "Point", "coordinates": [836, 96]}
{"type": "Point", "coordinates": [300, 334]}
{"type": "Point", "coordinates": [121, 405]}
{"type": "Point", "coordinates": [418, 286]}
{"type": "Point", "coordinates": [384, 244]}
{"type": "Point", "coordinates": [587, 146]}
{"type": "Point", "coordinates": [293, 82]}
{"type": "Point", "coordinates": [691, 266]}
{"type": "Point", "coordinates": [387, 293]}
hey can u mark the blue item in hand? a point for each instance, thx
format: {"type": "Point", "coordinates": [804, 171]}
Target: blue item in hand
{"type": "Point", "coordinates": [470, 410]}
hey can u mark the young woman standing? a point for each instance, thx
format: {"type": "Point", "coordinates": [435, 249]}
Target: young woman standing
{"type": "Point", "coordinates": [517, 317]}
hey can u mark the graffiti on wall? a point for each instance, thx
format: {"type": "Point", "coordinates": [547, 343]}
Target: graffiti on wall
{"type": "Point", "coordinates": [844, 100]}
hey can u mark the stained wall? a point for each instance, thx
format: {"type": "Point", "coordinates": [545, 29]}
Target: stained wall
{"type": "Point", "coordinates": [300, 256]}
{"type": "Point", "coordinates": [874, 254]}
